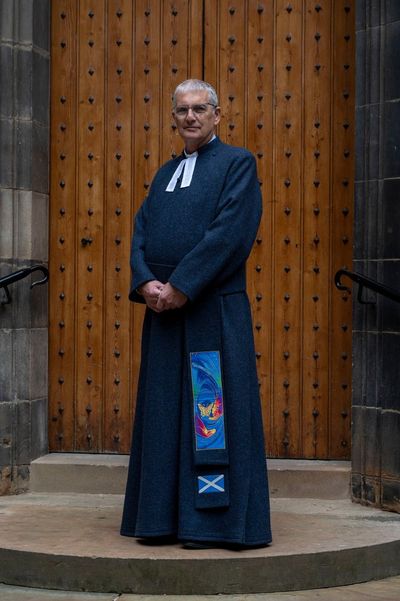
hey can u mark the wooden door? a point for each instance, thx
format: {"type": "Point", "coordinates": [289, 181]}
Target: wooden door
{"type": "Point", "coordinates": [285, 75]}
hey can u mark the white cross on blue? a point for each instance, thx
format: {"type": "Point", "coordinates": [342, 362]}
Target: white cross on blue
{"type": "Point", "coordinates": [213, 483]}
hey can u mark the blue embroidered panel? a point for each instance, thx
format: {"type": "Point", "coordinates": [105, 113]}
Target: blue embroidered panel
{"type": "Point", "coordinates": [213, 483]}
{"type": "Point", "coordinates": [209, 423]}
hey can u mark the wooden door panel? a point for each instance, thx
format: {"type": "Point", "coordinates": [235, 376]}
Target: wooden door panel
{"type": "Point", "coordinates": [342, 186]}
{"type": "Point", "coordinates": [115, 65]}
{"type": "Point", "coordinates": [285, 76]}
{"type": "Point", "coordinates": [317, 282]}
{"type": "Point", "coordinates": [117, 399]}
{"type": "Point", "coordinates": [62, 229]}
{"type": "Point", "coordinates": [90, 265]}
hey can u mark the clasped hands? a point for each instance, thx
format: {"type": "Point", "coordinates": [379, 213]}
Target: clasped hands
{"type": "Point", "coordinates": [161, 297]}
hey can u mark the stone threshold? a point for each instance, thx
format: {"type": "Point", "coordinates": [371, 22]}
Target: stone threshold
{"type": "Point", "coordinates": [72, 542]}
{"type": "Point", "coordinates": [106, 474]}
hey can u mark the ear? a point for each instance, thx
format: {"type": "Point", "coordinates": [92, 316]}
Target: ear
{"type": "Point", "coordinates": [217, 115]}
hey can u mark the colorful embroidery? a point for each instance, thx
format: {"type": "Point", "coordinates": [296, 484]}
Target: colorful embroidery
{"type": "Point", "coordinates": [208, 400]}
{"type": "Point", "coordinates": [214, 483]}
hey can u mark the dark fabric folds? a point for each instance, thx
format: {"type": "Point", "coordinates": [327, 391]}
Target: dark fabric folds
{"type": "Point", "coordinates": [189, 475]}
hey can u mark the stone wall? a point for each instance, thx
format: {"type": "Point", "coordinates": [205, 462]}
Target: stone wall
{"type": "Point", "coordinates": [376, 336]}
{"type": "Point", "coordinates": [24, 153]}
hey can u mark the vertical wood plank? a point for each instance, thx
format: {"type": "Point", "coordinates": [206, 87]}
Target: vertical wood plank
{"type": "Point", "coordinates": [260, 140]}
{"type": "Point", "coordinates": [342, 183]}
{"type": "Point", "coordinates": [145, 151]}
{"type": "Point", "coordinates": [287, 410]}
{"type": "Point", "coordinates": [316, 216]}
{"type": "Point", "coordinates": [231, 83]}
{"type": "Point", "coordinates": [195, 40]}
{"type": "Point", "coordinates": [175, 36]}
{"type": "Point", "coordinates": [90, 226]}
{"type": "Point", "coordinates": [62, 227]}
{"type": "Point", "coordinates": [118, 213]}
{"type": "Point", "coordinates": [211, 65]}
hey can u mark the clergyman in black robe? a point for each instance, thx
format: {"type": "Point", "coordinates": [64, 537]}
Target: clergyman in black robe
{"type": "Point", "coordinates": [197, 469]}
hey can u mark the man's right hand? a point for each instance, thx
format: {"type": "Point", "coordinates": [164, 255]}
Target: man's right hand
{"type": "Point", "coordinates": [150, 292]}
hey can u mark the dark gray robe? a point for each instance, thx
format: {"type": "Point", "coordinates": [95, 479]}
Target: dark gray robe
{"type": "Point", "coordinates": [197, 468]}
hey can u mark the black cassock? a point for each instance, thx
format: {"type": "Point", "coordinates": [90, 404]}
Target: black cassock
{"type": "Point", "coordinates": [197, 468]}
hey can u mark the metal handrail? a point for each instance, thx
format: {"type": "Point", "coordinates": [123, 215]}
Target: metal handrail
{"type": "Point", "coordinates": [365, 282]}
{"type": "Point", "coordinates": [6, 280]}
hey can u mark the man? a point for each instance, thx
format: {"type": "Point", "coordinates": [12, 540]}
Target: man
{"type": "Point", "coordinates": [197, 470]}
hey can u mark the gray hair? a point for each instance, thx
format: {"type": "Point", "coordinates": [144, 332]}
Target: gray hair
{"type": "Point", "coordinates": [196, 84]}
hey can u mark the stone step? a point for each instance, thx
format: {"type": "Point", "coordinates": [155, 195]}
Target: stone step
{"type": "Point", "coordinates": [70, 541]}
{"type": "Point", "coordinates": [378, 590]}
{"type": "Point", "coordinates": [97, 474]}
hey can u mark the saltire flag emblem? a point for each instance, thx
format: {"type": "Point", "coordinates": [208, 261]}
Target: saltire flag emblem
{"type": "Point", "coordinates": [213, 483]}
{"type": "Point", "coordinates": [208, 401]}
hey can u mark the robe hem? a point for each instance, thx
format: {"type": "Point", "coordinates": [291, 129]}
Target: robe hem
{"type": "Point", "coordinates": [147, 534]}
{"type": "Point", "coordinates": [195, 537]}
{"type": "Point", "coordinates": [236, 540]}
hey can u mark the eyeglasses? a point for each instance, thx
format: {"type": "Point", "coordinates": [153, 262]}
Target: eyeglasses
{"type": "Point", "coordinates": [197, 109]}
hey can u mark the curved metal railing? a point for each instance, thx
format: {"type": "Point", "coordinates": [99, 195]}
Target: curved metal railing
{"type": "Point", "coordinates": [9, 279]}
{"type": "Point", "coordinates": [365, 282]}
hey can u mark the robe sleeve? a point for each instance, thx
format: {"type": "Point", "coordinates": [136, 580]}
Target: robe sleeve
{"type": "Point", "coordinates": [140, 271]}
{"type": "Point", "coordinates": [229, 237]}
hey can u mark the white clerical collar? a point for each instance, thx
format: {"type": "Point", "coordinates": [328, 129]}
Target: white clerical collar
{"type": "Point", "coordinates": [187, 165]}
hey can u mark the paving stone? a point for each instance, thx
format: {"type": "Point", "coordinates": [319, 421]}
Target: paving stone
{"type": "Point", "coordinates": [40, 88]}
{"type": "Point", "coordinates": [22, 425]}
{"type": "Point", "coordinates": [39, 425]}
{"type": "Point", "coordinates": [23, 18]}
{"type": "Point", "coordinates": [39, 227]}
{"type": "Point", "coordinates": [7, 411]}
{"type": "Point", "coordinates": [7, 19]}
{"type": "Point", "coordinates": [392, 61]}
{"type": "Point", "coordinates": [23, 155]}
{"type": "Point", "coordinates": [22, 359]}
{"type": "Point", "coordinates": [38, 363]}
{"type": "Point", "coordinates": [6, 217]}
{"type": "Point", "coordinates": [6, 80]}
{"type": "Point", "coordinates": [389, 309]}
{"type": "Point", "coordinates": [6, 153]}
{"type": "Point", "coordinates": [23, 82]}
{"type": "Point", "coordinates": [390, 145]}
{"type": "Point", "coordinates": [392, 9]}
{"type": "Point", "coordinates": [6, 366]}
{"type": "Point", "coordinates": [41, 23]}
{"type": "Point", "coordinates": [40, 158]}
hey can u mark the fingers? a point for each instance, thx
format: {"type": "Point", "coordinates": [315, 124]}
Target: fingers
{"type": "Point", "coordinates": [162, 297]}
{"type": "Point", "coordinates": [152, 289]}
{"type": "Point", "coordinates": [171, 298]}
{"type": "Point", "coordinates": [151, 292]}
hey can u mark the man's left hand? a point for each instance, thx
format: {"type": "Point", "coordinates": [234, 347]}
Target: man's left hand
{"type": "Point", "coordinates": [171, 298]}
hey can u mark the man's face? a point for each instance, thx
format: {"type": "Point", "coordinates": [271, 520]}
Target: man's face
{"type": "Point", "coordinates": [195, 128]}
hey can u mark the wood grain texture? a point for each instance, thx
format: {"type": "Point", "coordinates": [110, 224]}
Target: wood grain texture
{"type": "Point", "coordinates": [62, 256]}
{"type": "Point", "coordinates": [284, 72]}
{"type": "Point", "coordinates": [118, 219]}
{"type": "Point", "coordinates": [316, 223]}
{"type": "Point", "coordinates": [342, 185]}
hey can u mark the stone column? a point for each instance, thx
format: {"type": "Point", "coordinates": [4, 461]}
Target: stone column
{"type": "Point", "coordinates": [24, 187]}
{"type": "Point", "coordinates": [376, 336]}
